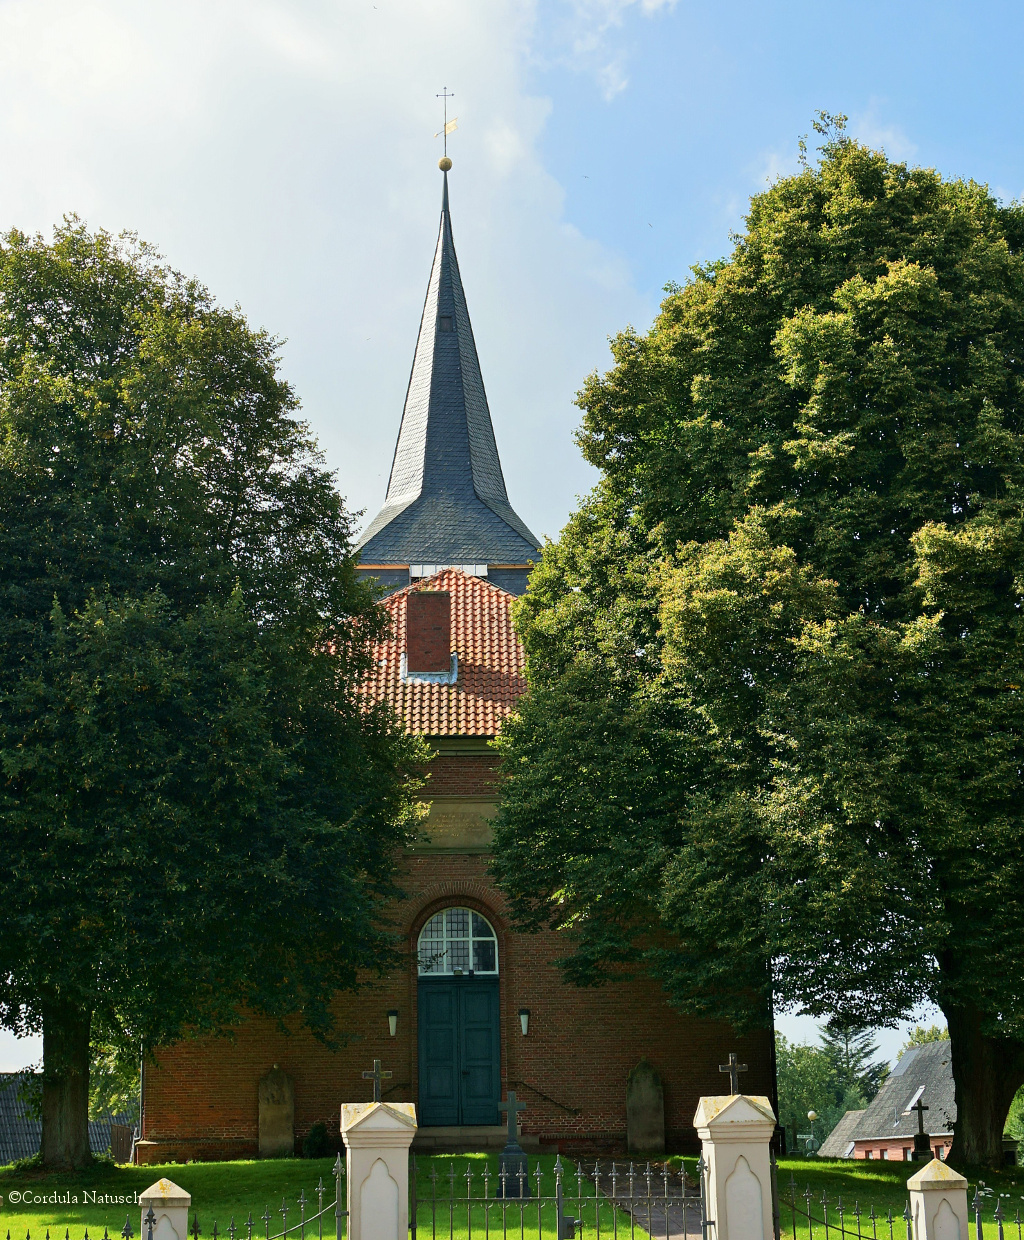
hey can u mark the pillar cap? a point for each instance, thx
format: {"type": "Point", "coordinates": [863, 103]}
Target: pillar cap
{"type": "Point", "coordinates": [936, 1175]}
{"type": "Point", "coordinates": [165, 1193]}
{"type": "Point", "coordinates": [378, 1116]}
{"type": "Point", "coordinates": [724, 1109]}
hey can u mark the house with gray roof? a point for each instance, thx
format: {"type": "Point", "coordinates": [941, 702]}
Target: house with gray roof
{"type": "Point", "coordinates": [446, 504]}
{"type": "Point", "coordinates": [839, 1142]}
{"type": "Point", "coordinates": [884, 1129]}
{"type": "Point", "coordinates": [21, 1131]}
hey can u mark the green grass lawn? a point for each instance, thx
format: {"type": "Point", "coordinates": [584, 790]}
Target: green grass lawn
{"type": "Point", "coordinates": [225, 1191]}
{"type": "Point", "coordinates": [881, 1185]}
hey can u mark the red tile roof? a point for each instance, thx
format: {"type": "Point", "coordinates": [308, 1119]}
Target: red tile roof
{"type": "Point", "coordinates": [490, 655]}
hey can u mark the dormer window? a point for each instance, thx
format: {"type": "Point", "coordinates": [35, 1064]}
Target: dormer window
{"type": "Point", "coordinates": [445, 323]}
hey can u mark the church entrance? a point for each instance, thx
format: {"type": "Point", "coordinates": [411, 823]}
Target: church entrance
{"type": "Point", "coordinates": [459, 1025]}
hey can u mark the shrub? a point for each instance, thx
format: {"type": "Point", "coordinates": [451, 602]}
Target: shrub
{"type": "Point", "coordinates": [315, 1144]}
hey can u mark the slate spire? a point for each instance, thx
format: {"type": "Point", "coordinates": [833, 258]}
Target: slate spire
{"type": "Point", "coordinates": [446, 501]}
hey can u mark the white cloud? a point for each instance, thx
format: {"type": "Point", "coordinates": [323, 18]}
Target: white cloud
{"type": "Point", "coordinates": [771, 165]}
{"type": "Point", "coordinates": [585, 37]}
{"type": "Point", "coordinates": [871, 129]}
{"type": "Point", "coordinates": [282, 151]}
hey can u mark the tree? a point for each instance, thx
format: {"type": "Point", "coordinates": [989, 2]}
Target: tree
{"type": "Point", "coordinates": [814, 1079]}
{"type": "Point", "coordinates": [200, 809]}
{"type": "Point", "coordinates": [853, 1051]}
{"type": "Point", "coordinates": [115, 1081]}
{"type": "Point", "coordinates": [773, 733]}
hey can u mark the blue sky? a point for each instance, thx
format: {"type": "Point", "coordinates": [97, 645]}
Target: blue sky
{"type": "Point", "coordinates": [706, 101]}
{"type": "Point", "coordinates": [283, 151]}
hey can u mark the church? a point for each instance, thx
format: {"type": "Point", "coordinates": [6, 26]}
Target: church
{"type": "Point", "coordinates": [480, 1010]}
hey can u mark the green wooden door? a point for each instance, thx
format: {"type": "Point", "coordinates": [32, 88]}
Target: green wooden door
{"type": "Point", "coordinates": [459, 1052]}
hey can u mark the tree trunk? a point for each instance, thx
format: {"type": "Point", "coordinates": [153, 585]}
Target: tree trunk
{"type": "Point", "coordinates": [987, 1072]}
{"type": "Point", "coordinates": [65, 1144]}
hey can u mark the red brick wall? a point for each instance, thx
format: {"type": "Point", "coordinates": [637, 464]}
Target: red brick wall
{"type": "Point", "coordinates": [893, 1148]}
{"type": "Point", "coordinates": [200, 1099]}
{"type": "Point", "coordinates": [463, 775]}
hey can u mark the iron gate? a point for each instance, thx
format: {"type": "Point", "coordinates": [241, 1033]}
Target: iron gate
{"type": "Point", "coordinates": [611, 1199]}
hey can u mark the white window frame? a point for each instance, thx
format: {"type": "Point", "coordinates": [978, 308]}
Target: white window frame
{"type": "Point", "coordinates": [447, 938]}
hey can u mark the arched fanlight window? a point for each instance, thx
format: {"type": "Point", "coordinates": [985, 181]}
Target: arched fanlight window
{"type": "Point", "coordinates": [457, 942]}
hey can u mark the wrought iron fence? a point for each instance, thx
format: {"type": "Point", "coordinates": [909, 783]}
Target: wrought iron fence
{"type": "Point", "coordinates": [1003, 1226]}
{"type": "Point", "coordinates": [606, 1200]}
{"type": "Point", "coordinates": [831, 1220]}
{"type": "Point", "coordinates": [612, 1199]}
{"type": "Point", "coordinates": [250, 1229]}
{"type": "Point", "coordinates": [834, 1220]}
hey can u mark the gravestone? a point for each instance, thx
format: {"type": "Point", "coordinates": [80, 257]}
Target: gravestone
{"type": "Point", "coordinates": [645, 1110]}
{"type": "Point", "coordinates": [513, 1167]}
{"type": "Point", "coordinates": [277, 1115]}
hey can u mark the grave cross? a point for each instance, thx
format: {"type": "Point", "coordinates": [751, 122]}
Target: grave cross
{"type": "Point", "coordinates": [920, 1108]}
{"type": "Point", "coordinates": [513, 1108]}
{"type": "Point", "coordinates": [734, 1068]}
{"type": "Point", "coordinates": [376, 1076]}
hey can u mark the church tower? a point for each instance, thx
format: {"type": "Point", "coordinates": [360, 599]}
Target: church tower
{"type": "Point", "coordinates": [479, 1010]}
{"type": "Point", "coordinates": [446, 504]}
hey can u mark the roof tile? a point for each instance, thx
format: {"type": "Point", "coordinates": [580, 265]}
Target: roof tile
{"type": "Point", "coordinates": [491, 662]}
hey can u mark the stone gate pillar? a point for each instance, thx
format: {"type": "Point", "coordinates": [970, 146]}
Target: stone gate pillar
{"type": "Point", "coordinates": [736, 1130]}
{"type": "Point", "coordinates": [938, 1203]}
{"type": "Point", "coordinates": [170, 1205]}
{"type": "Point", "coordinates": [377, 1137]}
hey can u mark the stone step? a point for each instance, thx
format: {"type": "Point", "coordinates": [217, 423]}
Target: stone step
{"type": "Point", "coordinates": [468, 1138]}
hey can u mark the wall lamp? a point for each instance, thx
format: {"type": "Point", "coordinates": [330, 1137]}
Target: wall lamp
{"type": "Point", "coordinates": [524, 1020]}
{"type": "Point", "coordinates": [393, 1021]}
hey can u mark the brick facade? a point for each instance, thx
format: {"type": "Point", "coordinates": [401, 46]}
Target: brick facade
{"type": "Point", "coordinates": [200, 1097]}
{"type": "Point", "coordinates": [570, 1069]}
{"type": "Point", "coordinates": [899, 1149]}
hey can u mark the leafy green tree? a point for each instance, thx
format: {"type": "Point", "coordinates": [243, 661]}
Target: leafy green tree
{"type": "Point", "coordinates": [200, 810]}
{"type": "Point", "coordinates": [823, 1081]}
{"type": "Point", "coordinates": [774, 732]}
{"type": "Point", "coordinates": [806, 1080]}
{"type": "Point", "coordinates": [114, 1080]}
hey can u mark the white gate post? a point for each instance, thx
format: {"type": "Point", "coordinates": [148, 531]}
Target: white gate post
{"type": "Point", "coordinates": [938, 1203]}
{"type": "Point", "coordinates": [377, 1137]}
{"type": "Point", "coordinates": [170, 1205]}
{"type": "Point", "coordinates": [736, 1131]}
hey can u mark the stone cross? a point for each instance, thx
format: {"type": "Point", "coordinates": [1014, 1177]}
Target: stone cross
{"type": "Point", "coordinates": [920, 1108]}
{"type": "Point", "coordinates": [376, 1076]}
{"type": "Point", "coordinates": [734, 1068]}
{"type": "Point", "coordinates": [513, 1108]}
{"type": "Point", "coordinates": [513, 1166]}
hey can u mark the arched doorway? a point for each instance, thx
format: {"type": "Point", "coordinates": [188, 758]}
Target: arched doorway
{"type": "Point", "coordinates": [459, 1027]}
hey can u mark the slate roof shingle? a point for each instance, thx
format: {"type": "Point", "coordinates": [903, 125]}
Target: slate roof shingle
{"type": "Point", "coordinates": [929, 1066]}
{"type": "Point", "coordinates": [490, 662]}
{"type": "Point", "coordinates": [446, 501]}
{"type": "Point", "coordinates": [20, 1134]}
{"type": "Point", "coordinates": [839, 1142]}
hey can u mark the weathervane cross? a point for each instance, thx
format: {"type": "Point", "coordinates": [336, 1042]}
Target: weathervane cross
{"type": "Point", "coordinates": [449, 126]}
{"type": "Point", "coordinates": [734, 1068]}
{"type": "Point", "coordinates": [376, 1076]}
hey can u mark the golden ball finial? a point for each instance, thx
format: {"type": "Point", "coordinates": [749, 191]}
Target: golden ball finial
{"type": "Point", "coordinates": [444, 163]}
